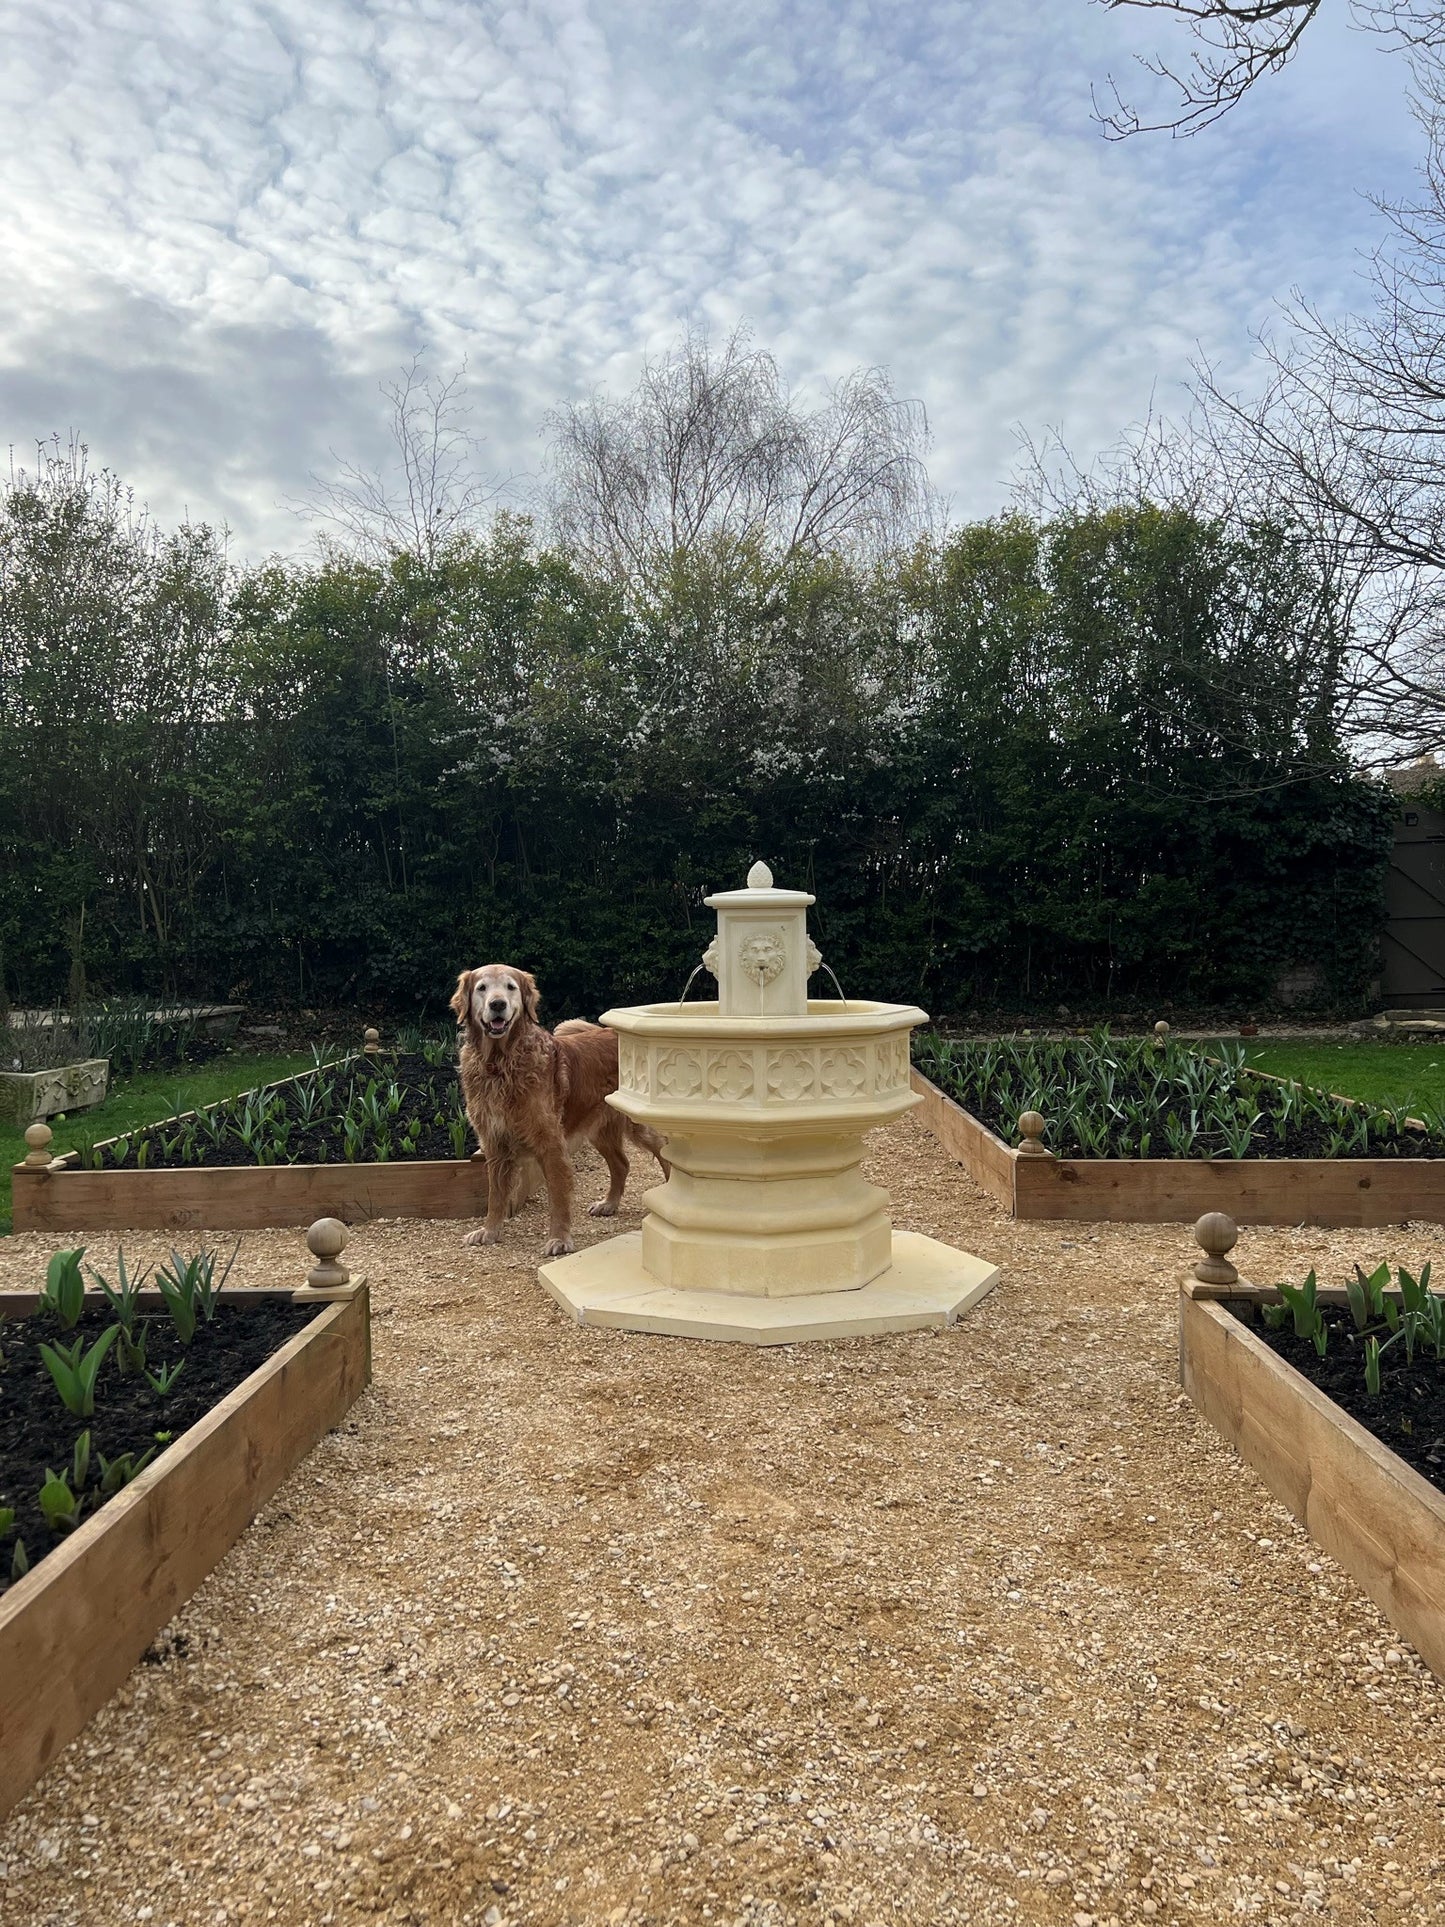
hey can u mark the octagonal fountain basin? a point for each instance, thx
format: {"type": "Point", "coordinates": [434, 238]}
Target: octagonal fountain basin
{"type": "Point", "coordinates": [766, 1231]}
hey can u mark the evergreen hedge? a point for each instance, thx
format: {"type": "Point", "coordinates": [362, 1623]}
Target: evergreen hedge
{"type": "Point", "coordinates": [1096, 761]}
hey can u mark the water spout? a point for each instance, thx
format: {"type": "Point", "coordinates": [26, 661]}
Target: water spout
{"type": "Point", "coordinates": [828, 969]}
{"type": "Point", "coordinates": [697, 972]}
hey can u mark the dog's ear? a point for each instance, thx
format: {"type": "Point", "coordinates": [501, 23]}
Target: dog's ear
{"type": "Point", "coordinates": [462, 1000]}
{"type": "Point", "coordinates": [531, 996]}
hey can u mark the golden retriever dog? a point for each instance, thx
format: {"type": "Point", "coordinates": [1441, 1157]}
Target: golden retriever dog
{"type": "Point", "coordinates": [534, 1094]}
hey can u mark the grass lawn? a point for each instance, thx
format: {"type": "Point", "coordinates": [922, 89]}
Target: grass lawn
{"type": "Point", "coordinates": [146, 1099]}
{"type": "Point", "coordinates": [1405, 1076]}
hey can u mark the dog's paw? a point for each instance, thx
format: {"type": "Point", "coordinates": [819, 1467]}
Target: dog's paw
{"type": "Point", "coordinates": [559, 1248]}
{"type": "Point", "coordinates": [483, 1237]}
{"type": "Point", "coordinates": [604, 1208]}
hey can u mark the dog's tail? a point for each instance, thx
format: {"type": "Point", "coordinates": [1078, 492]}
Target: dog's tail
{"type": "Point", "coordinates": [649, 1139]}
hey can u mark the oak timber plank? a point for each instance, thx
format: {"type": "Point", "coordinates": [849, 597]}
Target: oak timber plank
{"type": "Point", "coordinates": [987, 1159]}
{"type": "Point", "coordinates": [237, 1197]}
{"type": "Point", "coordinates": [1360, 1192]}
{"type": "Point", "coordinates": [72, 1629]}
{"type": "Point", "coordinates": [1327, 1191]}
{"type": "Point", "coordinates": [1368, 1509]}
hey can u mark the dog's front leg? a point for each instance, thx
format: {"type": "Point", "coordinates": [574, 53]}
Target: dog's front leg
{"type": "Point", "coordinates": [551, 1154]}
{"type": "Point", "coordinates": [501, 1176]}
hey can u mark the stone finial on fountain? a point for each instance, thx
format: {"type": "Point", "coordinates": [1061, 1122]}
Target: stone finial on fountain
{"type": "Point", "coordinates": [762, 957]}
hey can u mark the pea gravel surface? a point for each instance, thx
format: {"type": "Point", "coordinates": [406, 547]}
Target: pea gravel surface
{"type": "Point", "coordinates": [569, 1626]}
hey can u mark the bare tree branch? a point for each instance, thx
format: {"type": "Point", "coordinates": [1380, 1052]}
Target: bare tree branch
{"type": "Point", "coordinates": [1347, 438]}
{"type": "Point", "coordinates": [434, 491]}
{"type": "Point", "coordinates": [712, 449]}
{"type": "Point", "coordinates": [1239, 42]}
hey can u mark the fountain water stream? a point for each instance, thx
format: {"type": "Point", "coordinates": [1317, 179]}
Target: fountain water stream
{"type": "Point", "coordinates": [767, 1230]}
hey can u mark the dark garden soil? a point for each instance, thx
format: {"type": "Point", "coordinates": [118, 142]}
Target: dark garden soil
{"type": "Point", "coordinates": [38, 1433]}
{"type": "Point", "coordinates": [1408, 1415]}
{"type": "Point", "coordinates": [420, 1127]}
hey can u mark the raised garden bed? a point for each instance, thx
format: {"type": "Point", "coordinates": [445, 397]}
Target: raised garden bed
{"type": "Point", "coordinates": [1261, 1149]}
{"type": "Point", "coordinates": [285, 1368]}
{"type": "Point", "coordinates": [364, 1138]}
{"type": "Point", "coordinates": [1370, 1510]}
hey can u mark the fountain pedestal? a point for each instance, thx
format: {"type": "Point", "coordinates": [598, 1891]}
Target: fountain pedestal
{"type": "Point", "coordinates": [766, 1232]}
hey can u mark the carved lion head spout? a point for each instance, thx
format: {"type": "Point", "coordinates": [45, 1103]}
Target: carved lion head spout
{"type": "Point", "coordinates": [762, 957]}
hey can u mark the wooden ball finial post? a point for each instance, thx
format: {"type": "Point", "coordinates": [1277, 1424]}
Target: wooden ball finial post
{"type": "Point", "coordinates": [371, 1043]}
{"type": "Point", "coordinates": [37, 1147]}
{"type": "Point", "coordinates": [1031, 1128]}
{"type": "Point", "coordinates": [326, 1240]}
{"type": "Point", "coordinates": [1215, 1234]}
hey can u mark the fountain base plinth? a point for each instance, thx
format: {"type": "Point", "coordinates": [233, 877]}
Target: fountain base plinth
{"type": "Point", "coordinates": [927, 1284]}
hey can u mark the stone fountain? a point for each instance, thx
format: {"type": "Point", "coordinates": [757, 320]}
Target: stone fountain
{"type": "Point", "coordinates": [767, 1231]}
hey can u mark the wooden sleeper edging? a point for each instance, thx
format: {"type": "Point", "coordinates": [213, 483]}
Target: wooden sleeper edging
{"type": "Point", "coordinates": [1361, 1192]}
{"type": "Point", "coordinates": [1374, 1514]}
{"type": "Point", "coordinates": [54, 1194]}
{"type": "Point", "coordinates": [76, 1624]}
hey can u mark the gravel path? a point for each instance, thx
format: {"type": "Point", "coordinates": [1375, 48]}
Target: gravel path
{"type": "Point", "coordinates": [575, 1627]}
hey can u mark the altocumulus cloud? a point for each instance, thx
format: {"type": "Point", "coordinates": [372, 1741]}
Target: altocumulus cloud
{"type": "Point", "coordinates": [223, 221]}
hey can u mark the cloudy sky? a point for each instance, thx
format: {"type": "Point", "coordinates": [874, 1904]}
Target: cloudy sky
{"type": "Point", "coordinates": [223, 222]}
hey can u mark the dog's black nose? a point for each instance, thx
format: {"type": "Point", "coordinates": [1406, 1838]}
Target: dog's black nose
{"type": "Point", "coordinates": [499, 1004]}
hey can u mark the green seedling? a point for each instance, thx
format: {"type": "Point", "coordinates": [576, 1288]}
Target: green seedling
{"type": "Point", "coordinates": [1413, 1290]}
{"type": "Point", "coordinates": [1366, 1293]}
{"type": "Point", "coordinates": [130, 1349]}
{"type": "Point", "coordinates": [19, 1560]}
{"type": "Point", "coordinates": [1301, 1300]}
{"type": "Point", "coordinates": [161, 1382]}
{"type": "Point", "coordinates": [1275, 1316]}
{"type": "Point", "coordinates": [1431, 1322]}
{"type": "Point", "coordinates": [74, 1370]}
{"type": "Point", "coordinates": [1359, 1304]}
{"type": "Point", "coordinates": [123, 1297]}
{"type": "Point", "coordinates": [191, 1286]}
{"type": "Point", "coordinates": [457, 1132]}
{"type": "Point", "coordinates": [7, 1517]}
{"type": "Point", "coordinates": [64, 1293]}
{"type": "Point", "coordinates": [60, 1505]}
{"type": "Point", "coordinates": [118, 1472]}
{"type": "Point", "coordinates": [179, 1295]}
{"type": "Point", "coordinates": [1372, 1366]}
{"type": "Point", "coordinates": [80, 1461]}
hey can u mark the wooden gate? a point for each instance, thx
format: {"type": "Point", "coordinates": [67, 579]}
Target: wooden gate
{"type": "Point", "coordinates": [1413, 947]}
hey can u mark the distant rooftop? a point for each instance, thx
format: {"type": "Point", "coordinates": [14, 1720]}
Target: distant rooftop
{"type": "Point", "coordinates": [1412, 777]}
